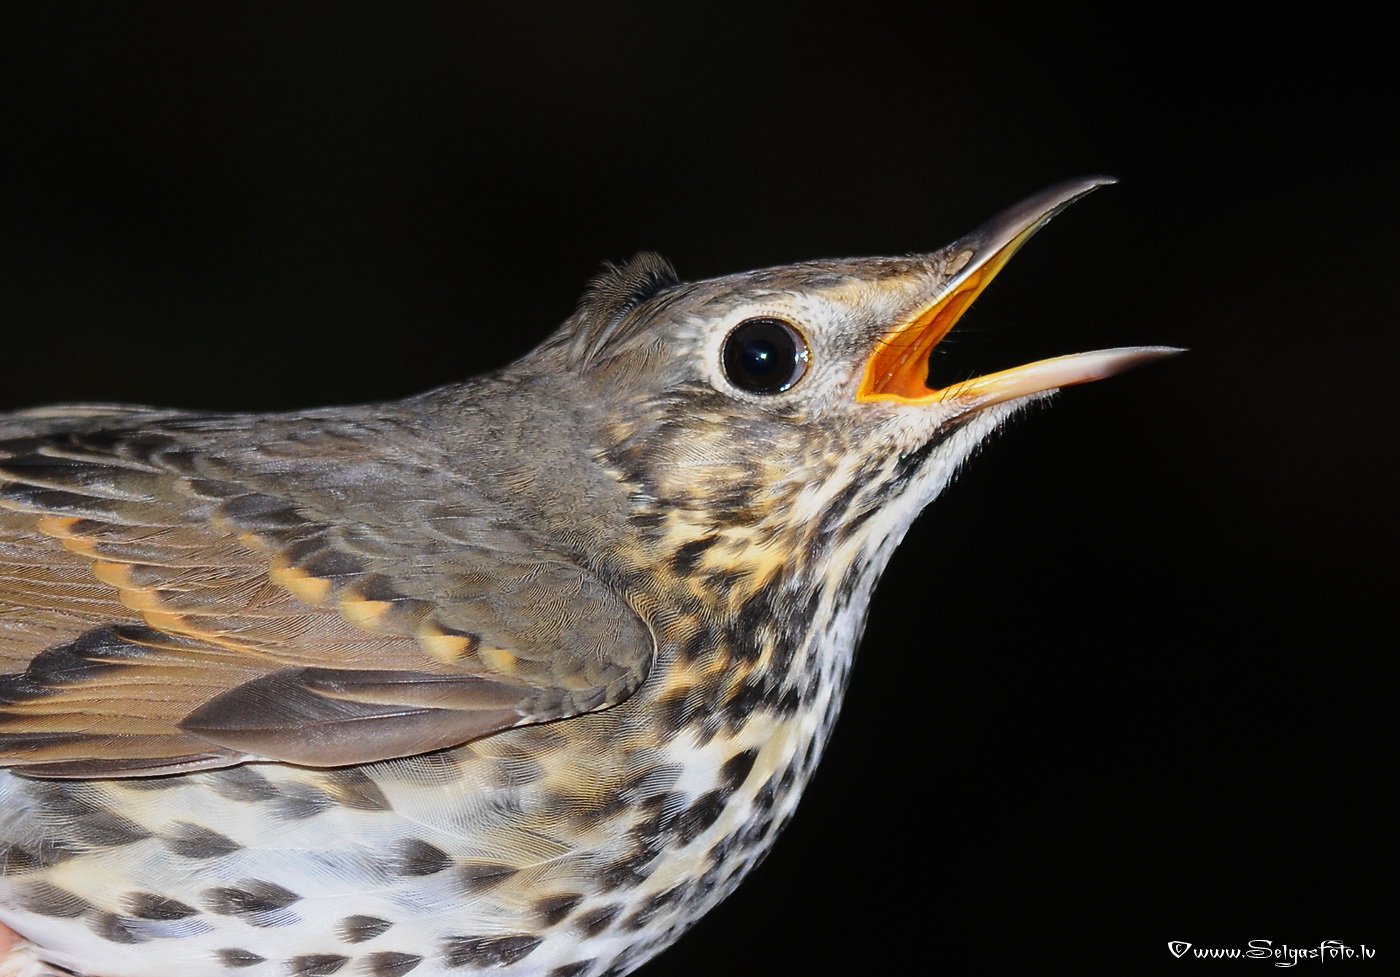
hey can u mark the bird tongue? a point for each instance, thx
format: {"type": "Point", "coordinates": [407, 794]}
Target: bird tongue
{"type": "Point", "coordinates": [898, 368]}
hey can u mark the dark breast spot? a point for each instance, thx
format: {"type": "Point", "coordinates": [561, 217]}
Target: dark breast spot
{"type": "Point", "coordinates": [831, 524]}
{"type": "Point", "coordinates": [627, 872]}
{"type": "Point", "coordinates": [754, 832]}
{"type": "Point", "coordinates": [767, 794]}
{"type": "Point", "coordinates": [483, 950]}
{"type": "Point", "coordinates": [352, 788]}
{"type": "Point", "coordinates": [481, 876]}
{"type": "Point", "coordinates": [116, 929]}
{"type": "Point", "coordinates": [148, 905]}
{"type": "Point", "coordinates": [655, 905]}
{"type": "Point", "coordinates": [413, 857]}
{"type": "Point", "coordinates": [708, 882]}
{"type": "Point", "coordinates": [686, 558]}
{"type": "Point", "coordinates": [390, 963]}
{"type": "Point", "coordinates": [316, 964]}
{"type": "Point", "coordinates": [702, 733]}
{"type": "Point", "coordinates": [647, 519]}
{"type": "Point", "coordinates": [554, 909]}
{"type": "Point", "coordinates": [595, 921]}
{"type": "Point", "coordinates": [242, 784]}
{"type": "Point", "coordinates": [910, 463]}
{"type": "Point", "coordinates": [63, 801]}
{"type": "Point", "coordinates": [571, 969]}
{"type": "Point", "coordinates": [49, 900]}
{"type": "Point", "coordinates": [695, 819]}
{"type": "Point", "coordinates": [297, 802]}
{"type": "Point", "coordinates": [103, 829]}
{"type": "Point", "coordinates": [361, 929]}
{"type": "Point", "coordinates": [756, 690]}
{"type": "Point", "coordinates": [257, 903]}
{"type": "Point", "coordinates": [195, 841]}
{"type": "Point", "coordinates": [232, 957]}
{"type": "Point", "coordinates": [663, 807]}
{"type": "Point", "coordinates": [719, 852]}
{"type": "Point", "coordinates": [736, 769]}
{"type": "Point", "coordinates": [754, 620]}
{"type": "Point", "coordinates": [677, 709]}
{"type": "Point", "coordinates": [700, 644]}
{"type": "Point", "coordinates": [784, 649]}
{"type": "Point", "coordinates": [790, 702]}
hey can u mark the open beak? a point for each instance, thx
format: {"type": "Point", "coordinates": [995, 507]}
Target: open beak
{"type": "Point", "coordinates": [898, 369]}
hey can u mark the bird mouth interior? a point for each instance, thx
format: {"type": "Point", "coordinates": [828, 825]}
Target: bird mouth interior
{"type": "Point", "coordinates": [898, 369]}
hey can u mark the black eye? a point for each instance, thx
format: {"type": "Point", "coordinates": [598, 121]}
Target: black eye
{"type": "Point", "coordinates": [764, 356]}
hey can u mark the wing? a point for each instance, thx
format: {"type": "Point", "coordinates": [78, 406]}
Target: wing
{"type": "Point", "coordinates": [195, 592]}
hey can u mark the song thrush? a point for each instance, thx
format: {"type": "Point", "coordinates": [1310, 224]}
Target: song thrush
{"type": "Point", "coordinates": [522, 674]}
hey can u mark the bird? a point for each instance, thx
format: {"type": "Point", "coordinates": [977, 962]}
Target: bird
{"type": "Point", "coordinates": [520, 675]}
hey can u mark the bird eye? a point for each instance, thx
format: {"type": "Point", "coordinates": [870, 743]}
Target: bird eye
{"type": "Point", "coordinates": [765, 356]}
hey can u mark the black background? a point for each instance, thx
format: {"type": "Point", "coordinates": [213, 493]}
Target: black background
{"type": "Point", "coordinates": [1127, 681]}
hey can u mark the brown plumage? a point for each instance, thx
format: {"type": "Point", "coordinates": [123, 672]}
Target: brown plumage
{"type": "Point", "coordinates": [522, 673]}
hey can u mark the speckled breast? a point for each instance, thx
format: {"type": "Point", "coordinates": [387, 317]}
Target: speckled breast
{"type": "Point", "coordinates": [581, 847]}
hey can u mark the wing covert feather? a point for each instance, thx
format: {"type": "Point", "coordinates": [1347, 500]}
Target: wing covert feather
{"type": "Point", "coordinates": [169, 600]}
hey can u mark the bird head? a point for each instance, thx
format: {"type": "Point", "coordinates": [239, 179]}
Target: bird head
{"type": "Point", "coordinates": [795, 398]}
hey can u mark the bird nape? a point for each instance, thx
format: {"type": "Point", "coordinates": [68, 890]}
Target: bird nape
{"type": "Point", "coordinates": [522, 674]}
